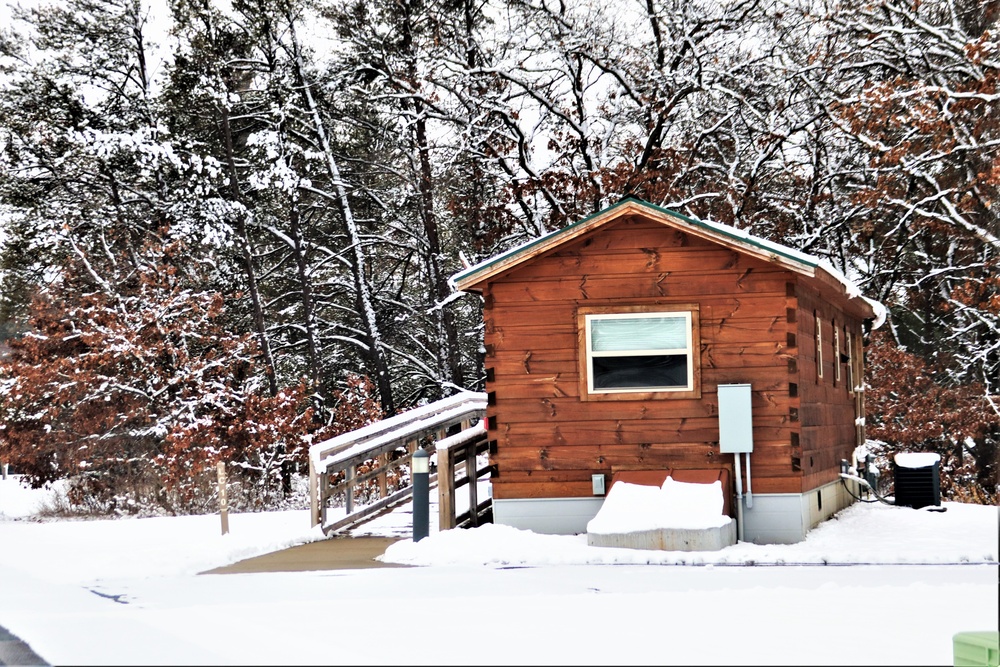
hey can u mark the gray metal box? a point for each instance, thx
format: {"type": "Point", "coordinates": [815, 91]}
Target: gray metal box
{"type": "Point", "coordinates": [597, 481]}
{"type": "Point", "coordinates": [735, 419]}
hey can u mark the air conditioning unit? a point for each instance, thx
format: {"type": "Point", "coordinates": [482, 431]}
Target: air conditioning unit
{"type": "Point", "coordinates": [917, 479]}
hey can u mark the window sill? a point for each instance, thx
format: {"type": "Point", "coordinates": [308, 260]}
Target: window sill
{"type": "Point", "coordinates": [641, 395]}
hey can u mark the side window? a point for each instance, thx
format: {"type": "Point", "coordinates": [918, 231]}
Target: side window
{"type": "Point", "coordinates": [850, 361]}
{"type": "Point", "coordinates": [638, 352]}
{"type": "Point", "coordinates": [819, 346]}
{"type": "Point", "coordinates": [836, 354]}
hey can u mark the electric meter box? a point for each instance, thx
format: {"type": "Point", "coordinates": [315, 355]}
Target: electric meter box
{"type": "Point", "coordinates": [735, 419]}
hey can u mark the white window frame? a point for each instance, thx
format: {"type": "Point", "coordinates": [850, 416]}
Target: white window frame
{"type": "Point", "coordinates": [850, 361]}
{"type": "Point", "coordinates": [819, 348]}
{"type": "Point", "coordinates": [687, 351]}
{"type": "Point", "coordinates": [836, 353]}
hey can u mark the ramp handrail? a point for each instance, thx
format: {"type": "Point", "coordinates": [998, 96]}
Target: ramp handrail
{"type": "Point", "coordinates": [377, 442]}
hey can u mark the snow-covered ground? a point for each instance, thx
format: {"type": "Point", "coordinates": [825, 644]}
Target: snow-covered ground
{"type": "Point", "coordinates": [127, 592]}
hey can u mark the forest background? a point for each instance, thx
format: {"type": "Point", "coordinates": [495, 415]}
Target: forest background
{"type": "Point", "coordinates": [226, 229]}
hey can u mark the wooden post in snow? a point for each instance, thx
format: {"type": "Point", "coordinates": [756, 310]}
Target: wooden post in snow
{"type": "Point", "coordinates": [446, 489]}
{"type": "Point", "coordinates": [313, 494]}
{"type": "Point", "coordinates": [352, 472]}
{"type": "Point", "coordinates": [470, 472]}
{"type": "Point", "coordinates": [383, 483]}
{"type": "Point", "coordinates": [223, 501]}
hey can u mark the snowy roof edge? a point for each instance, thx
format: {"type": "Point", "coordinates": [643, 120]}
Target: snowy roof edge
{"type": "Point", "coordinates": [808, 263]}
{"type": "Point", "coordinates": [716, 227]}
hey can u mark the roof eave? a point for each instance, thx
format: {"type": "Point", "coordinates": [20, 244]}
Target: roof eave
{"type": "Point", "coordinates": [473, 278]}
{"type": "Point", "coordinates": [470, 279]}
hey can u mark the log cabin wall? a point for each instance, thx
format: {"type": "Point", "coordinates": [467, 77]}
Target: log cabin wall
{"type": "Point", "coordinates": [827, 400]}
{"type": "Point", "coordinates": [549, 437]}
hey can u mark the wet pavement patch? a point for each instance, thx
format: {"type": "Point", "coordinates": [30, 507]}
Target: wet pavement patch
{"type": "Point", "coordinates": [335, 553]}
{"type": "Point", "coordinates": [110, 596]}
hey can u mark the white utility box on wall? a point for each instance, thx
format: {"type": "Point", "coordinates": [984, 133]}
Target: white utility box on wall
{"type": "Point", "coordinates": [735, 419]}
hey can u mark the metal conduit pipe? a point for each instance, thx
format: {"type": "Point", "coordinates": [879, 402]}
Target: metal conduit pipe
{"type": "Point", "coordinates": [739, 500]}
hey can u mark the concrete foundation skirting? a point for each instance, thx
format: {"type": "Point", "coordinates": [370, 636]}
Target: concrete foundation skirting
{"type": "Point", "coordinates": [785, 518]}
{"type": "Point", "coordinates": [670, 539]}
{"type": "Point", "coordinates": [551, 516]}
{"type": "Point", "coordinates": [773, 518]}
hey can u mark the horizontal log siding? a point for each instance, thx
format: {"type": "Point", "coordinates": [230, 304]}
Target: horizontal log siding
{"type": "Point", "coordinates": [826, 405]}
{"type": "Point", "coordinates": [547, 442]}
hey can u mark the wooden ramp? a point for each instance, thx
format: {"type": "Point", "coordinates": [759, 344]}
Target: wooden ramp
{"type": "Point", "coordinates": [338, 553]}
{"type": "Point", "coordinates": [368, 470]}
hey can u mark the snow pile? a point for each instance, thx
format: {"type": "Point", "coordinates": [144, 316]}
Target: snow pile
{"type": "Point", "coordinates": [158, 546]}
{"type": "Point", "coordinates": [635, 507]}
{"type": "Point", "coordinates": [17, 501]}
{"type": "Point", "coordinates": [916, 459]}
{"type": "Point", "coordinates": [94, 593]}
{"type": "Point", "coordinates": [124, 592]}
{"type": "Point", "coordinates": [87, 551]}
{"type": "Point", "coordinates": [861, 534]}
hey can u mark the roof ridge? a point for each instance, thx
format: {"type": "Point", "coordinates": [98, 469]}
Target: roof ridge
{"type": "Point", "coordinates": [729, 231]}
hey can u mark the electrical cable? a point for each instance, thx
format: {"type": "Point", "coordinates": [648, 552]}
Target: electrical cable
{"type": "Point", "coordinates": [858, 498]}
{"type": "Point", "coordinates": [843, 480]}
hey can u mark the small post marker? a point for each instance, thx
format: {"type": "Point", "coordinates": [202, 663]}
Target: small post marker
{"type": "Point", "coordinates": [223, 501]}
{"type": "Point", "coordinates": [420, 471]}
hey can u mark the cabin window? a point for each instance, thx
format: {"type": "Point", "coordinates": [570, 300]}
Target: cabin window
{"type": "Point", "coordinates": [836, 354]}
{"type": "Point", "coordinates": [639, 352]}
{"type": "Point", "coordinates": [850, 361]}
{"type": "Point", "coordinates": [819, 346]}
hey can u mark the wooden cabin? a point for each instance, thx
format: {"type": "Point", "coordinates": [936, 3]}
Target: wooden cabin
{"type": "Point", "coordinates": [606, 344]}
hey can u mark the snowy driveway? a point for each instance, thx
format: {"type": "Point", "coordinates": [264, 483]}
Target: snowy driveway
{"type": "Point", "coordinates": [127, 591]}
{"type": "Point", "coordinates": [585, 614]}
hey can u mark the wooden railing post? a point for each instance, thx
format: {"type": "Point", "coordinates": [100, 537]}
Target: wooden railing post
{"type": "Point", "coordinates": [383, 483]}
{"type": "Point", "coordinates": [324, 492]}
{"type": "Point", "coordinates": [446, 489]}
{"type": "Point", "coordinates": [349, 500]}
{"type": "Point", "coordinates": [428, 424]}
{"type": "Point", "coordinates": [470, 473]}
{"type": "Point", "coordinates": [313, 497]}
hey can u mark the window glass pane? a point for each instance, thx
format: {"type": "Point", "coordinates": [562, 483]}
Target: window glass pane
{"type": "Point", "coordinates": [646, 333]}
{"type": "Point", "coordinates": [653, 371]}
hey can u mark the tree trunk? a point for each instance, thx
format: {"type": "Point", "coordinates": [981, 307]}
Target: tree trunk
{"type": "Point", "coordinates": [438, 285]}
{"type": "Point", "coordinates": [438, 289]}
{"type": "Point", "coordinates": [305, 290]}
{"type": "Point", "coordinates": [247, 255]}
{"type": "Point", "coordinates": [363, 298]}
